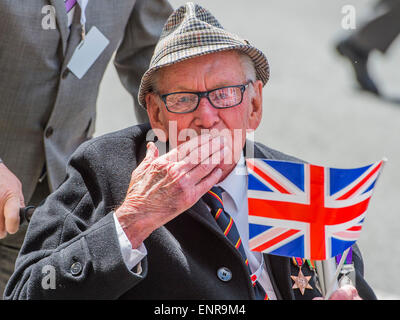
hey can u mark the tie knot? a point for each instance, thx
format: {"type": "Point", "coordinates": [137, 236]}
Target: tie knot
{"type": "Point", "coordinates": [213, 198]}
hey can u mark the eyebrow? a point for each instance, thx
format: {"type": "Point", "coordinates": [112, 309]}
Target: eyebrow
{"type": "Point", "coordinates": [218, 85]}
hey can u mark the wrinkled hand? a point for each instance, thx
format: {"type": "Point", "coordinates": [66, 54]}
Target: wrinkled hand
{"type": "Point", "coordinates": [162, 187]}
{"type": "Point", "coordinates": [347, 292]}
{"type": "Point", "coordinates": [11, 200]}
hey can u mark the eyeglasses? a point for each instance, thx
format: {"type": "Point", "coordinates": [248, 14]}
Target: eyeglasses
{"type": "Point", "coordinates": [220, 98]}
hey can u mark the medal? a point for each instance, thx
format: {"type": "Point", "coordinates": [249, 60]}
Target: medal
{"type": "Point", "coordinates": [301, 282]}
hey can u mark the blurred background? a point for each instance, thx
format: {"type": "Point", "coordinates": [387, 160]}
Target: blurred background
{"type": "Point", "coordinates": [313, 108]}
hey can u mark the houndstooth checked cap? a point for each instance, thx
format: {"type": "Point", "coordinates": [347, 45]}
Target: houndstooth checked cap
{"type": "Point", "coordinates": [191, 31]}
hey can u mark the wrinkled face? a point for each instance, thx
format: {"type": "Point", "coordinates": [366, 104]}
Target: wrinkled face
{"type": "Point", "coordinates": [201, 74]}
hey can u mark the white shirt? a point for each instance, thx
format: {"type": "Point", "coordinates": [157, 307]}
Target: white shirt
{"type": "Point", "coordinates": [83, 4]}
{"type": "Point", "coordinates": [132, 257]}
{"type": "Point", "coordinates": [235, 203]}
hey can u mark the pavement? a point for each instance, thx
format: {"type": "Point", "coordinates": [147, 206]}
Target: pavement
{"type": "Point", "coordinates": [313, 109]}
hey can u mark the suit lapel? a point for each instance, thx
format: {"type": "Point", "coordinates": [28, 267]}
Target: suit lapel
{"type": "Point", "coordinates": [70, 36]}
{"type": "Point", "coordinates": [74, 35]}
{"type": "Point", "coordinates": [62, 22]}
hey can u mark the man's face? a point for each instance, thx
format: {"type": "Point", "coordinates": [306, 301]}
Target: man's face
{"type": "Point", "coordinates": [200, 74]}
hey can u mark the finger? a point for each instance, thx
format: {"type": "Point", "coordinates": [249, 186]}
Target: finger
{"type": "Point", "coordinates": [203, 169]}
{"type": "Point", "coordinates": [199, 163]}
{"type": "Point", "coordinates": [11, 214]}
{"type": "Point", "coordinates": [3, 232]}
{"type": "Point", "coordinates": [208, 182]}
{"type": "Point", "coordinates": [21, 200]}
{"type": "Point", "coordinates": [192, 145]}
{"type": "Point", "coordinates": [346, 292]}
{"type": "Point", "coordinates": [151, 154]}
{"type": "Point", "coordinates": [180, 152]}
{"type": "Point", "coordinates": [207, 152]}
{"type": "Point", "coordinates": [152, 151]}
{"type": "Point", "coordinates": [351, 292]}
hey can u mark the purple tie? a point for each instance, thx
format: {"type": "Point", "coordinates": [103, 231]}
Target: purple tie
{"type": "Point", "coordinates": [70, 6]}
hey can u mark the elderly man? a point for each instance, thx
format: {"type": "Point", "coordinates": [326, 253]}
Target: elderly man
{"type": "Point", "coordinates": [167, 220]}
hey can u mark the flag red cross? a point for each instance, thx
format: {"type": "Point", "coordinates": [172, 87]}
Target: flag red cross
{"type": "Point", "coordinates": [315, 212]}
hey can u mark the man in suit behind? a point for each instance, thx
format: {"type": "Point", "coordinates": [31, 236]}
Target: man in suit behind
{"type": "Point", "coordinates": [167, 220]}
{"type": "Point", "coordinates": [46, 112]}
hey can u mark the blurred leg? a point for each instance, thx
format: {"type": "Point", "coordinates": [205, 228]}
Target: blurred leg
{"type": "Point", "coordinates": [381, 31]}
{"type": "Point", "coordinates": [378, 34]}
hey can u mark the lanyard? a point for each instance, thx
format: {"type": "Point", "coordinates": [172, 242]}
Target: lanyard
{"type": "Point", "coordinates": [83, 5]}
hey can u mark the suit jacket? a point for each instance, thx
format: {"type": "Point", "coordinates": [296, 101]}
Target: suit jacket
{"type": "Point", "coordinates": [45, 111]}
{"type": "Point", "coordinates": [74, 233]}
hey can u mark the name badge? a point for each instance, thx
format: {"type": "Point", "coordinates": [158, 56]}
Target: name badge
{"type": "Point", "coordinates": [87, 52]}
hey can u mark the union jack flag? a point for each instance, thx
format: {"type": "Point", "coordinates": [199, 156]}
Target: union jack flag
{"type": "Point", "coordinates": [304, 210]}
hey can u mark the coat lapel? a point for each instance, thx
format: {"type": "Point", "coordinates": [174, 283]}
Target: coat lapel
{"type": "Point", "coordinates": [62, 22]}
{"type": "Point", "coordinates": [75, 36]}
{"type": "Point", "coordinates": [201, 213]}
{"type": "Point", "coordinates": [278, 269]}
{"type": "Point", "coordinates": [70, 36]}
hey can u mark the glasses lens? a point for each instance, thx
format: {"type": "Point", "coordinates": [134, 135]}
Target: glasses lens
{"type": "Point", "coordinates": [181, 102]}
{"type": "Point", "coordinates": [226, 97]}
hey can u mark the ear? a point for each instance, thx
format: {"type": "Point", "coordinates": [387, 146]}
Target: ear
{"type": "Point", "coordinates": [156, 115]}
{"type": "Point", "coordinates": [255, 112]}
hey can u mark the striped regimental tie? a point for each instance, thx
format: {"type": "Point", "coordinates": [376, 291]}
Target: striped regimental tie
{"type": "Point", "coordinates": [70, 7]}
{"type": "Point", "coordinates": [213, 198]}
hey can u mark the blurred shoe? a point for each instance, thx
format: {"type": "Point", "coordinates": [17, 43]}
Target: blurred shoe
{"type": "Point", "coordinates": [359, 60]}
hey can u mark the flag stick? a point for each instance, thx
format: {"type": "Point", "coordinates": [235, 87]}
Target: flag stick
{"type": "Point", "coordinates": [320, 271]}
{"type": "Point", "coordinates": [338, 269]}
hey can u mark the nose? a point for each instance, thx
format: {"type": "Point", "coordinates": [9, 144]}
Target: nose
{"type": "Point", "coordinates": [206, 116]}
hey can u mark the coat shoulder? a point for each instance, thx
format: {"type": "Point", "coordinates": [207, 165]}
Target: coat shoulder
{"type": "Point", "coordinates": [115, 142]}
{"type": "Point", "coordinates": [262, 151]}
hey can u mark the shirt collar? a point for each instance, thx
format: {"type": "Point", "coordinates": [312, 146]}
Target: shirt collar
{"type": "Point", "coordinates": [236, 182]}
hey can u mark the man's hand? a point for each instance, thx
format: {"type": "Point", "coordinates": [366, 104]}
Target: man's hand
{"type": "Point", "coordinates": [347, 292]}
{"type": "Point", "coordinates": [11, 200]}
{"type": "Point", "coordinates": [162, 187]}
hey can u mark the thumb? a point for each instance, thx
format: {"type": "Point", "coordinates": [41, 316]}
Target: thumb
{"type": "Point", "coordinates": [21, 199]}
{"type": "Point", "coordinates": [11, 214]}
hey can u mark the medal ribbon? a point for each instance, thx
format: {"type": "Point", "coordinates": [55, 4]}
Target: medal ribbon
{"type": "Point", "coordinates": [349, 258]}
{"type": "Point", "coordinates": [300, 261]}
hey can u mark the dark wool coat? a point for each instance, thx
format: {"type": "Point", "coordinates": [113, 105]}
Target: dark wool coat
{"type": "Point", "coordinates": [74, 233]}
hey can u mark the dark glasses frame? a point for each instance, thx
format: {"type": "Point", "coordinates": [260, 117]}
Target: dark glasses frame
{"type": "Point", "coordinates": [206, 94]}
